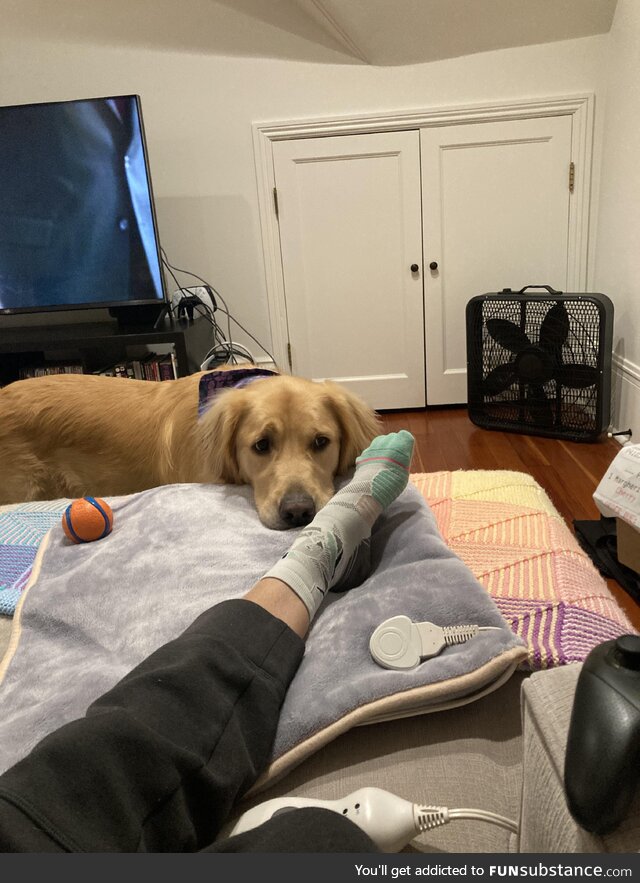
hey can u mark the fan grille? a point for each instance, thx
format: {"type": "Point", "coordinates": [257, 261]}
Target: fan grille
{"type": "Point", "coordinates": [529, 394]}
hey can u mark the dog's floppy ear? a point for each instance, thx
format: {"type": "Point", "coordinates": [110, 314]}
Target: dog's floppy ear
{"type": "Point", "coordinates": [359, 424]}
{"type": "Point", "coordinates": [219, 427]}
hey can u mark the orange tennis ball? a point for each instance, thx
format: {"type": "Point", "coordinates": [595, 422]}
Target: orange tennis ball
{"type": "Point", "coordinates": [87, 519]}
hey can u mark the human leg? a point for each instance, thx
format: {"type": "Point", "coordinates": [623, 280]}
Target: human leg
{"type": "Point", "coordinates": [158, 761]}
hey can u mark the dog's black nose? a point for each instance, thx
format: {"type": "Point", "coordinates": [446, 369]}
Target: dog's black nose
{"type": "Point", "coordinates": [296, 509]}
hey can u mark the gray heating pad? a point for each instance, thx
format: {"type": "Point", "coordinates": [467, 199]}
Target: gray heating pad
{"type": "Point", "coordinates": [98, 609]}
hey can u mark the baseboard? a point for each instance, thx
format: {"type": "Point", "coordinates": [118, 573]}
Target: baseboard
{"type": "Point", "coordinates": [625, 405]}
{"type": "Point", "coordinates": [265, 362]}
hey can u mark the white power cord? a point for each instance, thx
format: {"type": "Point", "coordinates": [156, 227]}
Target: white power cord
{"type": "Point", "coordinates": [200, 300]}
{"type": "Point", "coordinates": [390, 821]}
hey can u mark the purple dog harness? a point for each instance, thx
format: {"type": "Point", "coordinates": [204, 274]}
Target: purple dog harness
{"type": "Point", "coordinates": [215, 381]}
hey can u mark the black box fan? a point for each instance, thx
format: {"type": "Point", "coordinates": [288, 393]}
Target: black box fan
{"type": "Point", "coordinates": [540, 363]}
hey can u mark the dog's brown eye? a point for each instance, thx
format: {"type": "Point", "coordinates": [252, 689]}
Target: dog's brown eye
{"type": "Point", "coordinates": [262, 446]}
{"type": "Point", "coordinates": [320, 442]}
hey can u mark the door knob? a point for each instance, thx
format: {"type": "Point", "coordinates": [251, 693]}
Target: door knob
{"type": "Point", "coordinates": [414, 268]}
{"type": "Point", "coordinates": [433, 265]}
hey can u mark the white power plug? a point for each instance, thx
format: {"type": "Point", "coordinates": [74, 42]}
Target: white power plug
{"type": "Point", "coordinates": [194, 291]}
{"type": "Point", "coordinates": [390, 821]}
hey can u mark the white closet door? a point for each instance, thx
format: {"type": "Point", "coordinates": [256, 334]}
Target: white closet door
{"type": "Point", "coordinates": [496, 215]}
{"type": "Point", "coordinates": [350, 231]}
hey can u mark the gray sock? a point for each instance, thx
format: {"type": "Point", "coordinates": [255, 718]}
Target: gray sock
{"type": "Point", "coordinates": [324, 551]}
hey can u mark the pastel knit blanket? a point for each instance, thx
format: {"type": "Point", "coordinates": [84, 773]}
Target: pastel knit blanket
{"type": "Point", "coordinates": [505, 528]}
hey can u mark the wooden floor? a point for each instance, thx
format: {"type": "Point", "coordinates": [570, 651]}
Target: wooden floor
{"type": "Point", "coordinates": [568, 471]}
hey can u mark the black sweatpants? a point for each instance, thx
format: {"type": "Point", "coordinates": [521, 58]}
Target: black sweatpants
{"type": "Point", "coordinates": [158, 762]}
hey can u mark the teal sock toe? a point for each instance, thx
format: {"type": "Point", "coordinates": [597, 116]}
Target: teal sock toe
{"type": "Point", "coordinates": [396, 447]}
{"type": "Point", "coordinates": [390, 457]}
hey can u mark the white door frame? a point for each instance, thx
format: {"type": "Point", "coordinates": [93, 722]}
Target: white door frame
{"type": "Point", "coordinates": [579, 107]}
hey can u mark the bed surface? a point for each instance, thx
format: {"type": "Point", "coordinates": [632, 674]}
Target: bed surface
{"type": "Point", "coordinates": [479, 546]}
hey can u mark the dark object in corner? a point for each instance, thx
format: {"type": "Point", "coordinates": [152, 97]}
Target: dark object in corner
{"type": "Point", "coordinates": [603, 746]}
{"type": "Point", "coordinates": [599, 541]}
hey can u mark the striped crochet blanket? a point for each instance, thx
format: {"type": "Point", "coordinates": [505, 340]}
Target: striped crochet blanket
{"type": "Point", "coordinates": [500, 523]}
{"type": "Point", "coordinates": [504, 527]}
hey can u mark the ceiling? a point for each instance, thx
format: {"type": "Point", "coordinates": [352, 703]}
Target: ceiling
{"type": "Point", "coordinates": [372, 32]}
{"type": "Point", "coordinates": [395, 32]}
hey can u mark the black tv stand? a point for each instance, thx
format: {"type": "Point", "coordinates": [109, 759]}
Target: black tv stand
{"type": "Point", "coordinates": [102, 343]}
{"type": "Point", "coordinates": [139, 315]}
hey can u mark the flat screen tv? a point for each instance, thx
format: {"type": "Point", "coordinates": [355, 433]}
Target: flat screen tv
{"type": "Point", "coordinates": [77, 219]}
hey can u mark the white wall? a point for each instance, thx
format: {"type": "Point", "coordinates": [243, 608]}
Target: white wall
{"type": "Point", "coordinates": [199, 108]}
{"type": "Point", "coordinates": [617, 243]}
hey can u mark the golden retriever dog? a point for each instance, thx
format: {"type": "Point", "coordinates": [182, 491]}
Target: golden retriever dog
{"type": "Point", "coordinates": [73, 435]}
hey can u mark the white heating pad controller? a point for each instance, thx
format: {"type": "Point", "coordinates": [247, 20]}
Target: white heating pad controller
{"type": "Point", "coordinates": [400, 644]}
